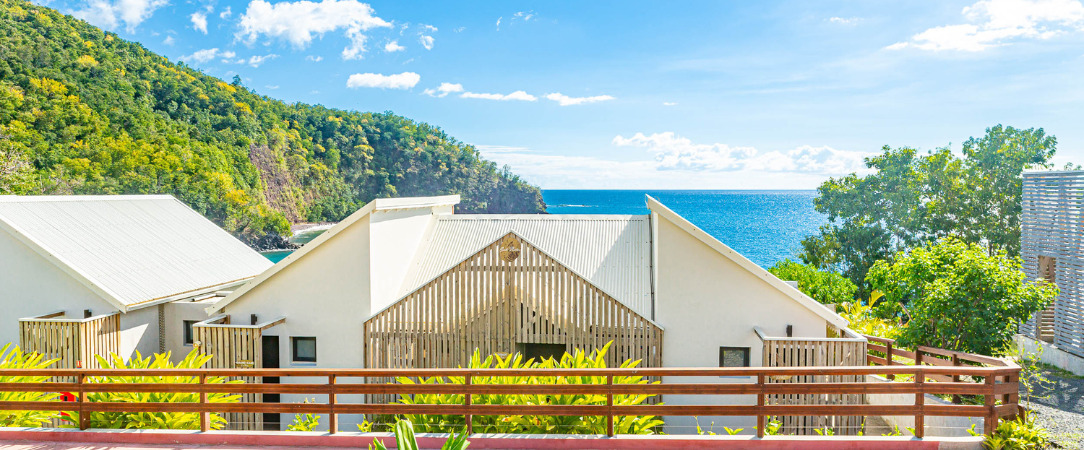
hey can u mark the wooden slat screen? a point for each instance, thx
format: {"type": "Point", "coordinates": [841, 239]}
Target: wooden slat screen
{"type": "Point", "coordinates": [816, 353]}
{"type": "Point", "coordinates": [234, 348]}
{"type": "Point", "coordinates": [508, 293]}
{"type": "Point", "coordinates": [75, 342]}
{"type": "Point", "coordinates": [1052, 247]}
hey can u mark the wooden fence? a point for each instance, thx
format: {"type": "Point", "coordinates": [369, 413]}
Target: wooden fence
{"type": "Point", "coordinates": [74, 342]}
{"type": "Point", "coordinates": [235, 346]}
{"type": "Point", "coordinates": [816, 352]}
{"type": "Point", "coordinates": [999, 384]}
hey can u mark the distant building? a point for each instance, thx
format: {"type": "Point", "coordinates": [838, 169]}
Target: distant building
{"type": "Point", "coordinates": [92, 275]}
{"type": "Point", "coordinates": [1052, 248]}
{"type": "Point", "coordinates": [407, 283]}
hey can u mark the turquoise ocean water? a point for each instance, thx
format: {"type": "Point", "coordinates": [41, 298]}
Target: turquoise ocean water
{"type": "Point", "coordinates": [765, 226]}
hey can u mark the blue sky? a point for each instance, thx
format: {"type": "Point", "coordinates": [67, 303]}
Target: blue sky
{"type": "Point", "coordinates": [667, 95]}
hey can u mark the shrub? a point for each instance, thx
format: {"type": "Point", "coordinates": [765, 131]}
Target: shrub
{"type": "Point", "coordinates": [1016, 434]}
{"type": "Point", "coordinates": [864, 319]}
{"type": "Point", "coordinates": [959, 297]}
{"type": "Point", "coordinates": [11, 357]}
{"type": "Point", "coordinates": [534, 424]}
{"type": "Point", "coordinates": [822, 286]}
{"type": "Point", "coordinates": [154, 420]}
{"type": "Point", "coordinates": [405, 440]}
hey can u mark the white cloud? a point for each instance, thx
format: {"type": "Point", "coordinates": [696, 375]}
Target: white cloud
{"type": "Point", "coordinates": [199, 21]}
{"type": "Point", "coordinates": [499, 23]}
{"type": "Point", "coordinates": [426, 41]}
{"type": "Point", "coordinates": [168, 40]}
{"type": "Point", "coordinates": [673, 152]}
{"type": "Point", "coordinates": [993, 23]}
{"type": "Point", "coordinates": [565, 100]}
{"type": "Point", "coordinates": [518, 95]}
{"type": "Point", "coordinates": [844, 20]}
{"type": "Point", "coordinates": [429, 28]}
{"type": "Point", "coordinates": [206, 54]}
{"type": "Point", "coordinates": [314, 58]}
{"type": "Point", "coordinates": [403, 80]}
{"type": "Point", "coordinates": [108, 14]}
{"type": "Point", "coordinates": [272, 87]}
{"type": "Point", "coordinates": [256, 60]}
{"type": "Point", "coordinates": [525, 15]}
{"type": "Point", "coordinates": [444, 89]}
{"type": "Point", "coordinates": [301, 21]}
{"type": "Point", "coordinates": [393, 46]}
{"type": "Point", "coordinates": [459, 29]}
{"type": "Point", "coordinates": [669, 103]}
{"type": "Point", "coordinates": [226, 13]}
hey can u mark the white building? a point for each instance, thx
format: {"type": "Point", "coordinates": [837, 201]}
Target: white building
{"type": "Point", "coordinates": [86, 275]}
{"type": "Point", "coordinates": [407, 283]}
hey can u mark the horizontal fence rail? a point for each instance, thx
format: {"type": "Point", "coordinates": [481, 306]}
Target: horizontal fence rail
{"type": "Point", "coordinates": [999, 387]}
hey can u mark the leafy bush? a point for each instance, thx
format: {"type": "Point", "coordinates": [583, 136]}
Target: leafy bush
{"type": "Point", "coordinates": [1016, 434]}
{"type": "Point", "coordinates": [534, 424]}
{"type": "Point", "coordinates": [154, 420]}
{"type": "Point", "coordinates": [959, 297]}
{"type": "Point", "coordinates": [305, 422]}
{"type": "Point", "coordinates": [405, 440]}
{"type": "Point", "coordinates": [864, 318]}
{"type": "Point", "coordinates": [11, 357]}
{"type": "Point", "coordinates": [822, 286]}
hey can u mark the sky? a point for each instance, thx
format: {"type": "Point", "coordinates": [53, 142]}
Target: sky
{"type": "Point", "coordinates": [650, 95]}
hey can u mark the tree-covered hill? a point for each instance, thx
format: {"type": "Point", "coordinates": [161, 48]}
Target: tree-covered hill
{"type": "Point", "coordinates": [85, 112]}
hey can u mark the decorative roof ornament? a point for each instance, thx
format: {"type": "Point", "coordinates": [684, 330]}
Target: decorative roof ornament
{"type": "Point", "coordinates": [510, 248]}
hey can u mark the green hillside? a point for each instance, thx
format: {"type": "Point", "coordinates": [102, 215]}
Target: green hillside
{"type": "Point", "coordinates": [85, 112]}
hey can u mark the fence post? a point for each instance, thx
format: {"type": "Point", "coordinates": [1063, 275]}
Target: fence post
{"type": "Point", "coordinates": [610, 405]}
{"type": "Point", "coordinates": [760, 402]}
{"type": "Point", "coordinates": [990, 423]}
{"type": "Point", "coordinates": [888, 359]}
{"type": "Point", "coordinates": [333, 420]}
{"type": "Point", "coordinates": [204, 416]}
{"type": "Point", "coordinates": [84, 419]}
{"type": "Point", "coordinates": [469, 418]}
{"type": "Point", "coordinates": [920, 399]}
{"type": "Point", "coordinates": [956, 378]}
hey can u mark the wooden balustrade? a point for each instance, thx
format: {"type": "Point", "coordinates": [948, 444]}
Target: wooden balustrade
{"type": "Point", "coordinates": [1000, 387]}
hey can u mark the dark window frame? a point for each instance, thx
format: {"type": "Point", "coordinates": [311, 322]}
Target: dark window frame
{"type": "Point", "coordinates": [293, 349]}
{"type": "Point", "coordinates": [745, 351]}
{"type": "Point", "coordinates": [188, 335]}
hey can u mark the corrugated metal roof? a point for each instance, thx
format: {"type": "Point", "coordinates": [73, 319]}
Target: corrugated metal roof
{"type": "Point", "coordinates": [137, 249]}
{"type": "Point", "coordinates": [612, 251]}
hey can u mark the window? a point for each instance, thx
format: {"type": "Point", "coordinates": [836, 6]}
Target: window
{"type": "Point", "coordinates": [733, 356]}
{"type": "Point", "coordinates": [188, 336]}
{"type": "Point", "coordinates": [541, 351]}
{"type": "Point", "coordinates": [304, 349]}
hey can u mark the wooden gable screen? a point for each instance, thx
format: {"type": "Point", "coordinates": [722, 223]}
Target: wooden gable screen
{"type": "Point", "coordinates": [234, 346]}
{"type": "Point", "coordinates": [508, 293]}
{"type": "Point", "coordinates": [1052, 248]}
{"type": "Point", "coordinates": [75, 343]}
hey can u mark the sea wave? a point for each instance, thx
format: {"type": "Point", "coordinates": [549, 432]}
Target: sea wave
{"type": "Point", "coordinates": [574, 206]}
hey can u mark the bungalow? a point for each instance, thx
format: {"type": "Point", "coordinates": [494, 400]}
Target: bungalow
{"type": "Point", "coordinates": [405, 282]}
{"type": "Point", "coordinates": [92, 275]}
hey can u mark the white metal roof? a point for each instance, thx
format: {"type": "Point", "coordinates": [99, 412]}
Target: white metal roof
{"type": "Point", "coordinates": [134, 251]}
{"type": "Point", "coordinates": [613, 252]}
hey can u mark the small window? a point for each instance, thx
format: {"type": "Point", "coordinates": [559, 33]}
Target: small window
{"type": "Point", "coordinates": [188, 335]}
{"type": "Point", "coordinates": [541, 351]}
{"type": "Point", "coordinates": [733, 356]}
{"type": "Point", "coordinates": [304, 349]}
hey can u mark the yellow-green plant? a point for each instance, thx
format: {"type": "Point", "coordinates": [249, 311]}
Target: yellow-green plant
{"type": "Point", "coordinates": [1021, 433]}
{"type": "Point", "coordinates": [304, 422]}
{"type": "Point", "coordinates": [154, 420]}
{"type": "Point", "coordinates": [863, 319]}
{"type": "Point", "coordinates": [578, 359]}
{"type": "Point", "coordinates": [405, 440]}
{"type": "Point", "coordinates": [11, 357]}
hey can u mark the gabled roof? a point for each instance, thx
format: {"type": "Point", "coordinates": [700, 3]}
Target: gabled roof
{"type": "Point", "coordinates": [380, 204]}
{"type": "Point", "coordinates": [802, 299]}
{"type": "Point", "coordinates": [612, 252]}
{"type": "Point", "coordinates": [132, 250]}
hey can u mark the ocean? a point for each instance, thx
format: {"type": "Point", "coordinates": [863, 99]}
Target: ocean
{"type": "Point", "coordinates": [765, 226]}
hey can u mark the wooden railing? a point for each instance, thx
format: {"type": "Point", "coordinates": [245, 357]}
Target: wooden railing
{"type": "Point", "coordinates": [999, 384]}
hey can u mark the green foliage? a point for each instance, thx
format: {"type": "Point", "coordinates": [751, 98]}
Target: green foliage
{"type": "Point", "coordinates": [864, 318]}
{"type": "Point", "coordinates": [11, 357]}
{"type": "Point", "coordinates": [911, 199]}
{"type": "Point", "coordinates": [306, 422]}
{"type": "Point", "coordinates": [85, 112]}
{"type": "Point", "coordinates": [1016, 434]}
{"type": "Point", "coordinates": [821, 285]}
{"type": "Point", "coordinates": [154, 420]}
{"type": "Point", "coordinates": [1032, 371]}
{"type": "Point", "coordinates": [959, 297]}
{"type": "Point", "coordinates": [824, 431]}
{"type": "Point", "coordinates": [405, 440]}
{"type": "Point", "coordinates": [534, 424]}
{"type": "Point", "coordinates": [773, 426]}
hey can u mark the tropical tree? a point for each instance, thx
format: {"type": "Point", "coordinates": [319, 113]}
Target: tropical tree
{"type": "Point", "coordinates": [821, 285]}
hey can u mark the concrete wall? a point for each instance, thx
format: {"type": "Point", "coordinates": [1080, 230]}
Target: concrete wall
{"type": "Point", "coordinates": [396, 238]}
{"type": "Point", "coordinates": [31, 286]}
{"type": "Point", "coordinates": [139, 332]}
{"type": "Point", "coordinates": [1052, 354]}
{"type": "Point", "coordinates": [705, 301]}
{"type": "Point", "coordinates": [325, 294]}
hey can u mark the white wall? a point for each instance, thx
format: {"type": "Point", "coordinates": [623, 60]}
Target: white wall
{"type": "Point", "coordinates": [705, 301]}
{"type": "Point", "coordinates": [139, 332]}
{"type": "Point", "coordinates": [324, 294]}
{"type": "Point", "coordinates": [32, 286]}
{"type": "Point", "coordinates": [176, 314]}
{"type": "Point", "coordinates": [396, 237]}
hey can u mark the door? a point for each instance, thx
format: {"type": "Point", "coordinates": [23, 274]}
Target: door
{"type": "Point", "coordinates": [271, 421]}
